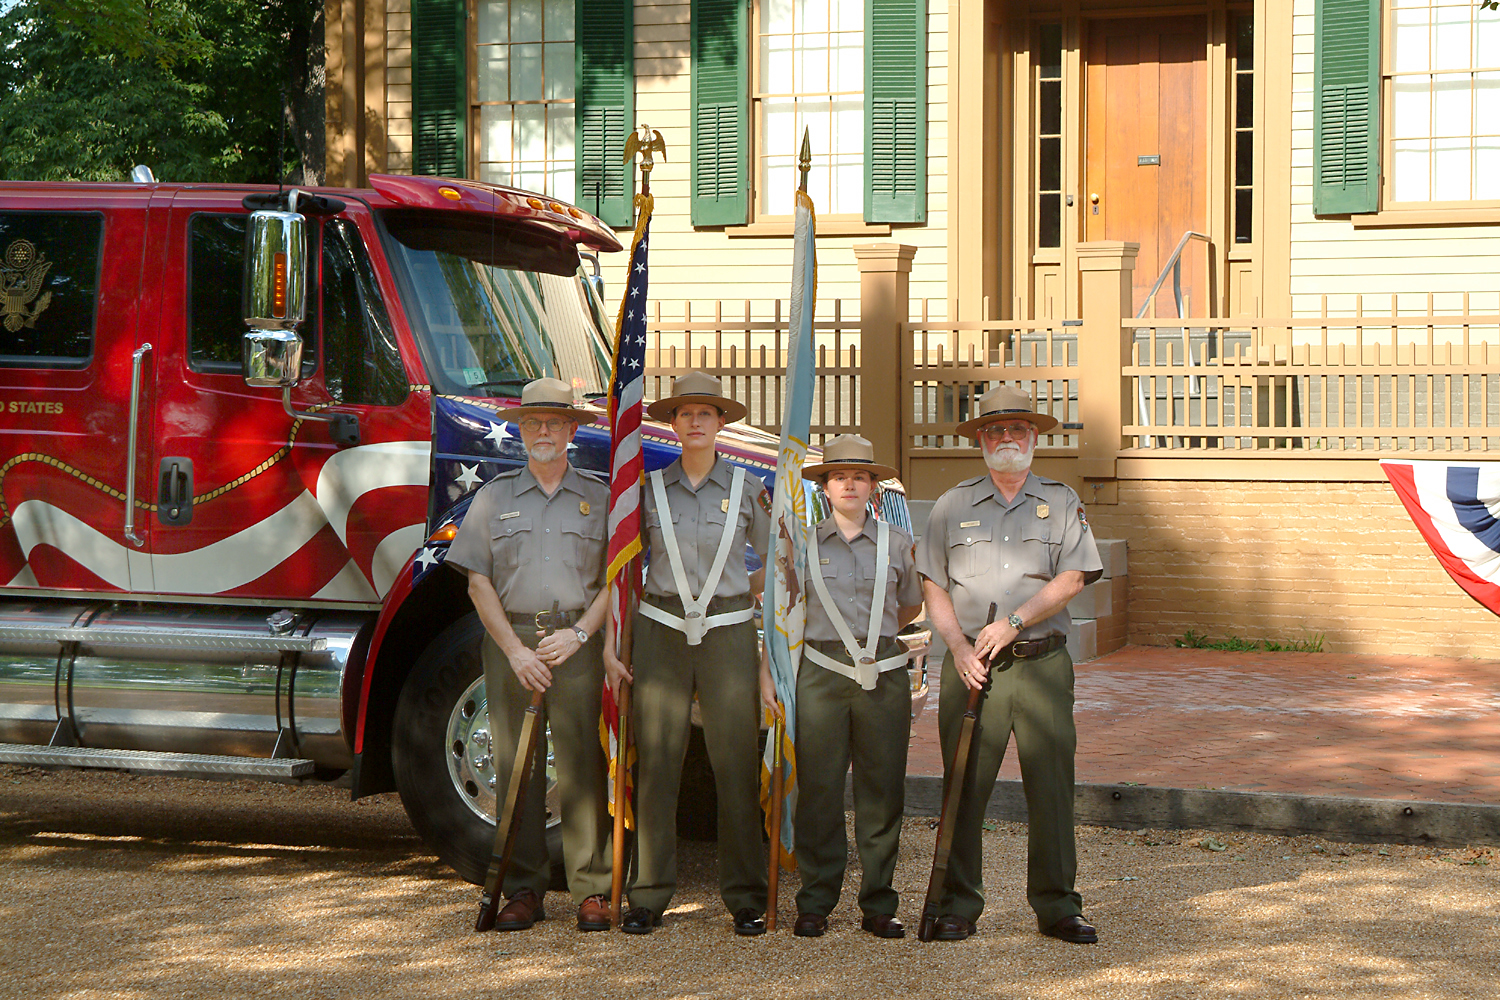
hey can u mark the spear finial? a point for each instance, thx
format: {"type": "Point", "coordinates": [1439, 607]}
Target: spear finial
{"type": "Point", "coordinates": [804, 160]}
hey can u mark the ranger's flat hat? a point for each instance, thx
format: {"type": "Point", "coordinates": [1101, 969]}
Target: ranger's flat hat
{"type": "Point", "coordinates": [1005, 402]}
{"type": "Point", "coordinates": [543, 397]}
{"type": "Point", "coordinates": [849, 451]}
{"type": "Point", "coordinates": [696, 387]}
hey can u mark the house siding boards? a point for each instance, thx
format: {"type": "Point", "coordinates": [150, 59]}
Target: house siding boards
{"type": "Point", "coordinates": [744, 267]}
{"type": "Point", "coordinates": [1363, 266]}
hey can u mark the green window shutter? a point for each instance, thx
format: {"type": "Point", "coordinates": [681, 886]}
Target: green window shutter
{"type": "Point", "coordinates": [896, 111]}
{"type": "Point", "coordinates": [1346, 107]}
{"type": "Point", "coordinates": [438, 87]}
{"type": "Point", "coordinates": [604, 53]}
{"type": "Point", "coordinates": [721, 113]}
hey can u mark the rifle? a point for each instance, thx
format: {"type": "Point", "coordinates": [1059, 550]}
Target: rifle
{"type": "Point", "coordinates": [952, 795]}
{"type": "Point", "coordinates": [508, 823]}
{"type": "Point", "coordinates": [622, 706]}
{"type": "Point", "coordinates": [777, 776]}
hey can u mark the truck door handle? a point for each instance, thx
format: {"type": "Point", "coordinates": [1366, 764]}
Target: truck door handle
{"type": "Point", "coordinates": [174, 500]}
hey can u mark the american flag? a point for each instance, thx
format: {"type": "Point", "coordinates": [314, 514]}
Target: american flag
{"type": "Point", "coordinates": [627, 466]}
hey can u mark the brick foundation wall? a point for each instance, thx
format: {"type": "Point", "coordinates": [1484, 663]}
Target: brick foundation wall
{"type": "Point", "coordinates": [1267, 560]}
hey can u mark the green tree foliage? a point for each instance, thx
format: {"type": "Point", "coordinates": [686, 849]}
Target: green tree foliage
{"type": "Point", "coordinates": [195, 89]}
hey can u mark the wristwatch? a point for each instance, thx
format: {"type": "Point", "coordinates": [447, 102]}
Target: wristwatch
{"type": "Point", "coordinates": [1015, 622]}
{"type": "Point", "coordinates": [582, 635]}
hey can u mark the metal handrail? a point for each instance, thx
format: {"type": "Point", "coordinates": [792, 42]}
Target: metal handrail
{"type": "Point", "coordinates": [1174, 264]}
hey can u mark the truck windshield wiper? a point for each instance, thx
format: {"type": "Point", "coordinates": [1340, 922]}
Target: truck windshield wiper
{"type": "Point", "coordinates": [514, 382]}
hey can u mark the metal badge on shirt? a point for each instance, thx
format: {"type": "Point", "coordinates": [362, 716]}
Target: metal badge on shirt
{"type": "Point", "coordinates": [583, 507]}
{"type": "Point", "coordinates": [1043, 510]}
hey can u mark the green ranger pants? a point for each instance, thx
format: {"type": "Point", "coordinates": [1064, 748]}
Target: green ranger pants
{"type": "Point", "coordinates": [1033, 699]}
{"type": "Point", "coordinates": [838, 722]}
{"type": "Point", "coordinates": [724, 671]}
{"type": "Point", "coordinates": [571, 709]}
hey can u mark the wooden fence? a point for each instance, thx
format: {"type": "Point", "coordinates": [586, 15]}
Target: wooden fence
{"type": "Point", "coordinates": [1135, 398]}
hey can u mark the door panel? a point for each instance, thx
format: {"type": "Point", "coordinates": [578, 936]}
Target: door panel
{"type": "Point", "coordinates": [74, 255]}
{"type": "Point", "coordinates": [1147, 96]}
{"type": "Point", "coordinates": [280, 511]}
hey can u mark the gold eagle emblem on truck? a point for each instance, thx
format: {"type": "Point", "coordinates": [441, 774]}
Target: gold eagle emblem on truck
{"type": "Point", "coordinates": [22, 273]}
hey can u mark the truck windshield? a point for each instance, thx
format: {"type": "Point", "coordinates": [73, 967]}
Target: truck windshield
{"type": "Point", "coordinates": [489, 316]}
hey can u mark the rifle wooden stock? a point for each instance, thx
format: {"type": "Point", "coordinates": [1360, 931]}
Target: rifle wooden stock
{"type": "Point", "coordinates": [622, 745]}
{"type": "Point", "coordinates": [508, 822]}
{"type": "Point", "coordinates": [777, 777]}
{"type": "Point", "coordinates": [952, 799]}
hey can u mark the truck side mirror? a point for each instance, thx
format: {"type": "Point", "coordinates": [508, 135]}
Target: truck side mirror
{"type": "Point", "coordinates": [275, 297]}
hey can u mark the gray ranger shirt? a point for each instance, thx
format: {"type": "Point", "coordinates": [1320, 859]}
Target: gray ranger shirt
{"type": "Point", "coordinates": [980, 549]}
{"type": "Point", "coordinates": [848, 569]}
{"type": "Point", "coordinates": [698, 517]}
{"type": "Point", "coordinates": [534, 548]}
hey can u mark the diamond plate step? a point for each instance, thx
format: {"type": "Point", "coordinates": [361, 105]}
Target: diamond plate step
{"type": "Point", "coordinates": [157, 762]}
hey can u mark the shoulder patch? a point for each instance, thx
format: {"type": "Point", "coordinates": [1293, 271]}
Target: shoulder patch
{"type": "Point", "coordinates": [765, 501]}
{"type": "Point", "coordinates": [1081, 518]}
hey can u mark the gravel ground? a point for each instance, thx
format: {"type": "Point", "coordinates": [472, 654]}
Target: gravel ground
{"type": "Point", "coordinates": [121, 886]}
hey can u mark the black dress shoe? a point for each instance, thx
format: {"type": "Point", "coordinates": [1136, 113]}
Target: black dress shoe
{"type": "Point", "coordinates": [1073, 929]}
{"type": "Point", "coordinates": [748, 922]}
{"type": "Point", "coordinates": [810, 925]}
{"type": "Point", "coordinates": [883, 925]}
{"type": "Point", "coordinates": [639, 920]}
{"type": "Point", "coordinates": [952, 928]}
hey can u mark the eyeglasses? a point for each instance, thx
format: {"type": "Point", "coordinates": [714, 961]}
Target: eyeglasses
{"type": "Point", "coordinates": [553, 425]}
{"type": "Point", "coordinates": [1018, 429]}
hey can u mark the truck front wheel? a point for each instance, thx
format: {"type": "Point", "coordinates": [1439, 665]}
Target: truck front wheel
{"type": "Point", "coordinates": [444, 759]}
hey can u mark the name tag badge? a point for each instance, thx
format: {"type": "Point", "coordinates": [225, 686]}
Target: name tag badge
{"type": "Point", "coordinates": [1042, 510]}
{"type": "Point", "coordinates": [507, 516]}
{"type": "Point", "coordinates": [822, 562]}
{"type": "Point", "coordinates": [724, 505]}
{"type": "Point", "coordinates": [968, 524]}
{"type": "Point", "coordinates": [583, 507]}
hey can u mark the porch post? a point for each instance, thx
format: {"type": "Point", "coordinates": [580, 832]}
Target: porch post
{"type": "Point", "coordinates": [1104, 401]}
{"type": "Point", "coordinates": [884, 300]}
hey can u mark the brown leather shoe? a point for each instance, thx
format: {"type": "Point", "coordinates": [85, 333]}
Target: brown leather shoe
{"type": "Point", "coordinates": [1073, 929]}
{"type": "Point", "coordinates": [810, 925]}
{"type": "Point", "coordinates": [884, 925]}
{"type": "Point", "coordinates": [520, 912]}
{"type": "Point", "coordinates": [952, 928]}
{"type": "Point", "coordinates": [593, 914]}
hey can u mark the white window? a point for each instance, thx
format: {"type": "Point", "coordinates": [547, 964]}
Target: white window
{"type": "Point", "coordinates": [810, 71]}
{"type": "Point", "coordinates": [1442, 85]}
{"type": "Point", "coordinates": [525, 87]}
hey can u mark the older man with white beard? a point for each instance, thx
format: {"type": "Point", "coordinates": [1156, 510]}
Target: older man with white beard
{"type": "Point", "coordinates": [1023, 544]}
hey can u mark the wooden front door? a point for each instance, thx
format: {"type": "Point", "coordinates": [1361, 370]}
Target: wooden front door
{"type": "Point", "coordinates": [1147, 139]}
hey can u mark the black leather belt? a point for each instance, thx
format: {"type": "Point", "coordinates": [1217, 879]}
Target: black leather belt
{"type": "Point", "coordinates": [545, 619]}
{"type": "Point", "coordinates": [1030, 649]}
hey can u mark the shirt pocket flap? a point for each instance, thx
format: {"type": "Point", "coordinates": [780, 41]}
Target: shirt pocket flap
{"type": "Point", "coordinates": [970, 536]}
{"type": "Point", "coordinates": [1040, 531]}
{"type": "Point", "coordinates": [505, 527]}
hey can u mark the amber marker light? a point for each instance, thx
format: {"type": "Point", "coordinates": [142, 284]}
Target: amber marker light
{"type": "Point", "coordinates": [444, 534]}
{"type": "Point", "coordinates": [278, 286]}
{"type": "Point", "coordinates": [452, 194]}
{"type": "Point", "coordinates": [535, 203]}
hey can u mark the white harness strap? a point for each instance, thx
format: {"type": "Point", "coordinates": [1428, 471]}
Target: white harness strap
{"type": "Point", "coordinates": [866, 668]}
{"type": "Point", "coordinates": [697, 621]}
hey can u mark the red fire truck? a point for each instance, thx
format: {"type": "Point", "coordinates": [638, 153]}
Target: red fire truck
{"type": "Point", "coordinates": [240, 426]}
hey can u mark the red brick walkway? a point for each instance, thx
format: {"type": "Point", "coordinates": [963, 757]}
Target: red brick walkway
{"type": "Point", "coordinates": [1394, 727]}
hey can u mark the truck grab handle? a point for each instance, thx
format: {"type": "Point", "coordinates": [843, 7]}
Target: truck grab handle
{"type": "Point", "coordinates": [135, 411]}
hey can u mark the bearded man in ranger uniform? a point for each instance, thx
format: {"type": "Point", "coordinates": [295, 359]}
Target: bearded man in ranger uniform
{"type": "Point", "coordinates": [1023, 544]}
{"type": "Point", "coordinates": [534, 540]}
